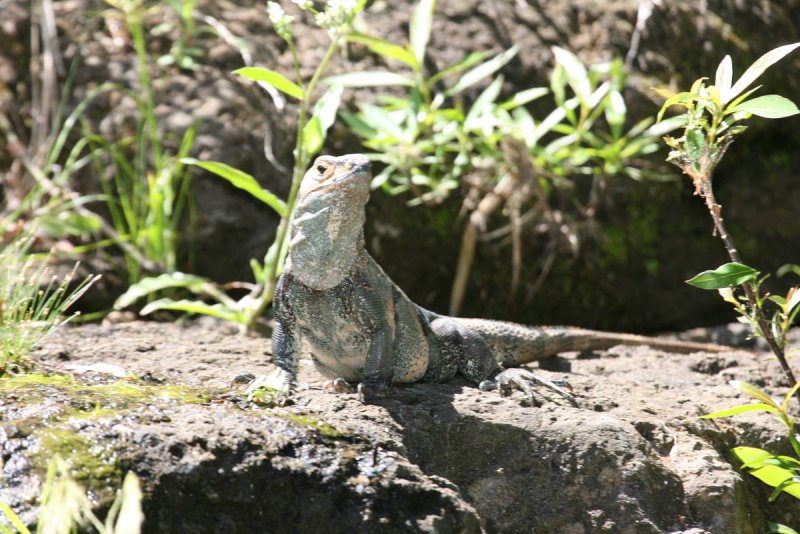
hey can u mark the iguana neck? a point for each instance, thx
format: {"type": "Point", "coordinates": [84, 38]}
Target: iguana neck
{"type": "Point", "coordinates": [328, 236]}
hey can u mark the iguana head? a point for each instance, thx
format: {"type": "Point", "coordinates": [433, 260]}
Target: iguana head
{"type": "Point", "coordinates": [329, 177]}
{"type": "Point", "coordinates": [327, 228]}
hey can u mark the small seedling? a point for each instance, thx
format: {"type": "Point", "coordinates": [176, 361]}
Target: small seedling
{"type": "Point", "coordinates": [714, 118]}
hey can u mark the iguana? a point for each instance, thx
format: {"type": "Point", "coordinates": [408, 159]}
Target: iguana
{"type": "Point", "coordinates": [335, 300]}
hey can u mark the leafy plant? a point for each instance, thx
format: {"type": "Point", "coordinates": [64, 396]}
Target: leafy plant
{"type": "Point", "coordinates": [778, 471]}
{"type": "Point", "coordinates": [39, 190]}
{"type": "Point", "coordinates": [713, 120]}
{"type": "Point", "coordinates": [181, 53]}
{"type": "Point", "coordinates": [32, 302]}
{"type": "Point", "coordinates": [65, 507]}
{"type": "Point", "coordinates": [146, 189]}
{"type": "Point", "coordinates": [314, 119]}
{"type": "Point", "coordinates": [431, 144]}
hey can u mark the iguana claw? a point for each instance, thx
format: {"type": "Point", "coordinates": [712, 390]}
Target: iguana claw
{"type": "Point", "coordinates": [279, 380]}
{"type": "Point", "coordinates": [524, 380]}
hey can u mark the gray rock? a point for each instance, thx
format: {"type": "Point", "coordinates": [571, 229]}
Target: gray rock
{"type": "Point", "coordinates": [429, 458]}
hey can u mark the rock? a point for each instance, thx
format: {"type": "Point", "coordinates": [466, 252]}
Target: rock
{"type": "Point", "coordinates": [429, 458]}
{"type": "Point", "coordinates": [656, 235]}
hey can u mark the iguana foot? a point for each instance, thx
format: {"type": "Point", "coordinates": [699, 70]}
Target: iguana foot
{"type": "Point", "coordinates": [524, 380]}
{"type": "Point", "coordinates": [279, 382]}
{"type": "Point", "coordinates": [338, 385]}
{"type": "Point", "coordinates": [366, 392]}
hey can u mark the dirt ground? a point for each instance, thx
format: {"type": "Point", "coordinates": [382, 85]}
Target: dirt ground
{"type": "Point", "coordinates": [211, 353]}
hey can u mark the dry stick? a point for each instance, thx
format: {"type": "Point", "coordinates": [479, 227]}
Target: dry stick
{"type": "Point", "coordinates": [476, 224]}
{"type": "Point", "coordinates": [706, 191]}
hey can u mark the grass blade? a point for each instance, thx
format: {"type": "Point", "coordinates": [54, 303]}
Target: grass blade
{"type": "Point", "coordinates": [275, 79]}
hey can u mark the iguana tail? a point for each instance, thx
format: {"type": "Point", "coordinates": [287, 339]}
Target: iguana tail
{"type": "Point", "coordinates": [515, 344]}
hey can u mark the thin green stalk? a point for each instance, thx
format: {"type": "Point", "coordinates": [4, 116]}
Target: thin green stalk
{"type": "Point", "coordinates": [301, 163]}
{"type": "Point", "coordinates": [137, 33]}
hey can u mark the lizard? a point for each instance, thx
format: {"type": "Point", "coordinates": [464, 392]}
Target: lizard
{"type": "Point", "coordinates": [333, 299]}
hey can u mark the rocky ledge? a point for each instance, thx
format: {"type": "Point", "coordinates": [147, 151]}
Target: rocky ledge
{"type": "Point", "coordinates": [164, 401]}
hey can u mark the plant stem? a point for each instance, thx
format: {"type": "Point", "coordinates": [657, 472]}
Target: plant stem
{"type": "Point", "coordinates": [706, 190]}
{"type": "Point", "coordinates": [300, 165]}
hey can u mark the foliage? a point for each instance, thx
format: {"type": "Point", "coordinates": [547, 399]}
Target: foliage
{"type": "Point", "coordinates": [714, 118]}
{"type": "Point", "coordinates": [431, 144]}
{"type": "Point", "coordinates": [313, 123]}
{"type": "Point", "coordinates": [181, 53]}
{"type": "Point", "coordinates": [66, 507]}
{"type": "Point", "coordinates": [46, 198]}
{"type": "Point", "coordinates": [145, 188]}
{"type": "Point", "coordinates": [32, 302]}
{"type": "Point", "coordinates": [778, 471]}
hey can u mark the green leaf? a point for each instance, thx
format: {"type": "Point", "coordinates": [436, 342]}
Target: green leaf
{"type": "Point", "coordinates": [777, 528]}
{"type": "Point", "coordinates": [679, 99]}
{"type": "Point", "coordinates": [788, 397]}
{"type": "Point", "coordinates": [323, 118]}
{"type": "Point", "coordinates": [313, 136]}
{"type": "Point", "coordinates": [769, 474]}
{"type": "Point", "coordinates": [357, 125]}
{"type": "Point", "coordinates": [146, 286]}
{"type": "Point", "coordinates": [757, 69]}
{"type": "Point", "coordinates": [420, 31]}
{"type": "Point", "coordinates": [484, 101]}
{"type": "Point", "coordinates": [472, 59]}
{"type": "Point", "coordinates": [523, 97]}
{"type": "Point", "coordinates": [665, 126]}
{"type": "Point", "coordinates": [750, 456]}
{"type": "Point", "coordinates": [755, 407]}
{"type": "Point", "coordinates": [616, 110]}
{"type": "Point", "coordinates": [243, 181]}
{"type": "Point", "coordinates": [130, 506]}
{"type": "Point", "coordinates": [198, 307]}
{"type": "Point", "coordinates": [379, 119]}
{"type": "Point", "coordinates": [695, 146]}
{"type": "Point", "coordinates": [728, 275]}
{"type": "Point", "coordinates": [276, 80]}
{"type": "Point", "coordinates": [724, 78]}
{"type": "Point", "coordinates": [754, 392]}
{"type": "Point", "coordinates": [794, 300]}
{"type": "Point", "coordinates": [16, 522]}
{"type": "Point", "coordinates": [484, 70]}
{"type": "Point", "coordinates": [787, 462]}
{"type": "Point", "coordinates": [384, 48]}
{"type": "Point", "coordinates": [769, 106]}
{"type": "Point", "coordinates": [575, 70]}
{"type": "Point", "coordinates": [553, 119]}
{"type": "Point", "coordinates": [741, 98]}
{"type": "Point", "coordinates": [697, 85]}
{"type": "Point", "coordinates": [367, 78]}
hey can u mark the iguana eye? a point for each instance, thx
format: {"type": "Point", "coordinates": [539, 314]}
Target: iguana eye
{"type": "Point", "coordinates": [321, 168]}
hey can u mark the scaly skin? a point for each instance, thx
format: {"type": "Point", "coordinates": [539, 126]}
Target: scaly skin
{"type": "Point", "coordinates": [335, 301]}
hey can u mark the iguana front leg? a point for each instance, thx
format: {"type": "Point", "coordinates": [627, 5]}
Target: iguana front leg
{"type": "Point", "coordinates": [379, 365]}
{"type": "Point", "coordinates": [284, 349]}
